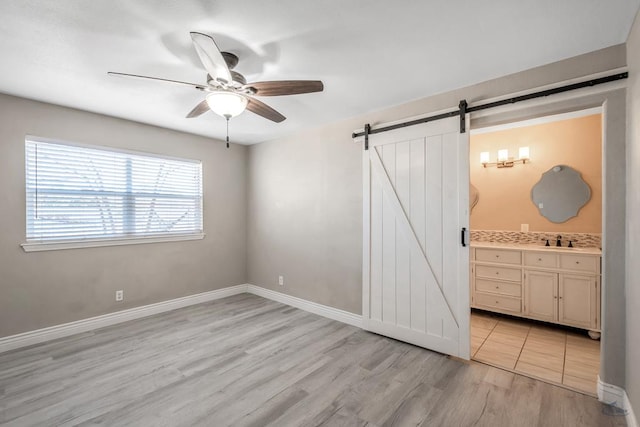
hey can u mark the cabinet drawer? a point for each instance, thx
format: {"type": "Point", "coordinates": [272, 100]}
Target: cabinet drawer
{"type": "Point", "coordinates": [503, 288]}
{"type": "Point", "coordinates": [498, 302]}
{"type": "Point", "coordinates": [579, 262]}
{"type": "Point", "coordinates": [502, 273]}
{"type": "Point", "coordinates": [538, 259]}
{"type": "Point", "coordinates": [498, 255]}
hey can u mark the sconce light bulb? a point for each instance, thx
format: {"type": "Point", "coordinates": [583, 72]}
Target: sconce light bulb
{"type": "Point", "coordinates": [503, 155]}
{"type": "Point", "coordinates": [484, 157]}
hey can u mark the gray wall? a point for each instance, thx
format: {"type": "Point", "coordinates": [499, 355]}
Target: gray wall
{"type": "Point", "coordinates": [305, 191]}
{"type": "Point", "coordinates": [305, 199]}
{"type": "Point", "coordinates": [290, 207]}
{"type": "Point", "coordinates": [305, 221]}
{"type": "Point", "coordinates": [633, 220]}
{"type": "Point", "coordinates": [40, 289]}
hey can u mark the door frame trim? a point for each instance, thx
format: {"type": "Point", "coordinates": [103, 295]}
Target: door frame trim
{"type": "Point", "coordinates": [611, 98]}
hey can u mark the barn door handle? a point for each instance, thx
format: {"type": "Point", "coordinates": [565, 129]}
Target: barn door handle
{"type": "Point", "coordinates": [464, 236]}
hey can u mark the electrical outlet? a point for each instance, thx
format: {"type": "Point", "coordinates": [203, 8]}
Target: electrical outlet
{"type": "Point", "coordinates": [524, 227]}
{"type": "Point", "coordinates": [119, 295]}
{"type": "Point", "coordinates": [281, 280]}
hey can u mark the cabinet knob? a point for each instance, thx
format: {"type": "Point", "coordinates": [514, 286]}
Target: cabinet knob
{"type": "Point", "coordinates": [497, 302]}
{"type": "Point", "coordinates": [577, 262]}
{"type": "Point", "coordinates": [539, 259]}
{"type": "Point", "coordinates": [497, 287]}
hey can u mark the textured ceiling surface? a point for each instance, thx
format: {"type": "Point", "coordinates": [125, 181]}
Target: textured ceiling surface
{"type": "Point", "coordinates": [370, 54]}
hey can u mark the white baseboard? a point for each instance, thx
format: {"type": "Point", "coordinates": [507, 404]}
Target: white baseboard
{"type": "Point", "coordinates": [312, 307]}
{"type": "Point", "coordinates": [617, 396]}
{"type": "Point", "coordinates": [607, 393]}
{"type": "Point", "coordinates": [38, 336]}
{"type": "Point", "coordinates": [632, 421]}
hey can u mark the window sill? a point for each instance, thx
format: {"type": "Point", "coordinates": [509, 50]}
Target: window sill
{"type": "Point", "coordinates": [55, 246]}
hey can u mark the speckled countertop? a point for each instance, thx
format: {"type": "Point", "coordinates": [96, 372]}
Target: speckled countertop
{"type": "Point", "coordinates": [539, 248]}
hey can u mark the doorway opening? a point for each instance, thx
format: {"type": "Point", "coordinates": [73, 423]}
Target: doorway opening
{"type": "Point", "coordinates": [536, 191]}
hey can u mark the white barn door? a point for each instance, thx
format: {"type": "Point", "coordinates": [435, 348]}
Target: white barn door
{"type": "Point", "coordinates": [416, 202]}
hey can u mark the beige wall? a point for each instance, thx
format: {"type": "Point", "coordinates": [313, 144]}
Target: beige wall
{"type": "Point", "coordinates": [40, 289]}
{"type": "Point", "coordinates": [505, 194]}
{"type": "Point", "coordinates": [633, 220]}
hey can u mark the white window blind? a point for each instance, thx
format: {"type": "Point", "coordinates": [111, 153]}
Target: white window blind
{"type": "Point", "coordinates": [78, 193]}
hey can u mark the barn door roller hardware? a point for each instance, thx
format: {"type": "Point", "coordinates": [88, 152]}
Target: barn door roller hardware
{"type": "Point", "coordinates": [464, 108]}
{"type": "Point", "coordinates": [367, 129]}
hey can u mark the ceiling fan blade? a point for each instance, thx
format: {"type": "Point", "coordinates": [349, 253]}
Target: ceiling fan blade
{"type": "Point", "coordinates": [262, 109]}
{"type": "Point", "coordinates": [286, 87]}
{"type": "Point", "coordinates": [211, 57]}
{"type": "Point", "coordinates": [198, 110]}
{"type": "Point", "coordinates": [194, 85]}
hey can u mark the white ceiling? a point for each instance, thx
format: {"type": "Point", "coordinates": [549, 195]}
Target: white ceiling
{"type": "Point", "coordinates": [371, 54]}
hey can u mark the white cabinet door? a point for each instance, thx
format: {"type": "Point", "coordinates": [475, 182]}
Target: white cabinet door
{"type": "Point", "coordinates": [578, 303]}
{"type": "Point", "coordinates": [541, 295]}
{"type": "Point", "coordinates": [415, 270]}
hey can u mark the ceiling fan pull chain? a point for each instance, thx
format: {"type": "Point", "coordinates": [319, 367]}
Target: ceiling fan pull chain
{"type": "Point", "coordinates": [227, 117]}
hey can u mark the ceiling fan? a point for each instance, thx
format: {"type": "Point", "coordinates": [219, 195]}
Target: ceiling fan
{"type": "Point", "coordinates": [227, 91]}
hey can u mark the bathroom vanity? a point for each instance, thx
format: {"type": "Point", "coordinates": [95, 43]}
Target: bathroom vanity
{"type": "Point", "coordinates": [552, 284]}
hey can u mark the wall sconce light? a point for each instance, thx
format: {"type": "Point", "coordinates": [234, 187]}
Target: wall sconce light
{"type": "Point", "coordinates": [504, 161]}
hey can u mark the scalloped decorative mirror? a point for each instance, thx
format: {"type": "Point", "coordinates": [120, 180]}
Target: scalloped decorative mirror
{"type": "Point", "coordinates": [560, 193]}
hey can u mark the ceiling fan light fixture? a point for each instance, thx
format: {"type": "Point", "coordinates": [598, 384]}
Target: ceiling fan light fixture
{"type": "Point", "coordinates": [226, 104]}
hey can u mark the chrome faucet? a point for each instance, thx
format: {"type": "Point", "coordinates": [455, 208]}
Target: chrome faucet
{"type": "Point", "coordinates": [558, 240]}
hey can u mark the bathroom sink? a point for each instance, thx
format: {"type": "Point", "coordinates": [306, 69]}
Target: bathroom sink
{"type": "Point", "coordinates": [537, 247]}
{"type": "Point", "coordinates": [565, 248]}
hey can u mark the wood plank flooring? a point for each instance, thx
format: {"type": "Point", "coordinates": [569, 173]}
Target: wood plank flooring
{"type": "Point", "coordinates": [247, 361]}
{"type": "Point", "coordinates": [551, 354]}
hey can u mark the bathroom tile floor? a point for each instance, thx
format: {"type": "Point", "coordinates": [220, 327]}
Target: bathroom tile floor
{"type": "Point", "coordinates": [533, 349]}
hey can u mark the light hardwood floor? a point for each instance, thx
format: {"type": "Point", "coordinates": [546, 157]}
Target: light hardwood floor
{"type": "Point", "coordinates": [248, 361]}
{"type": "Point", "coordinates": [548, 353]}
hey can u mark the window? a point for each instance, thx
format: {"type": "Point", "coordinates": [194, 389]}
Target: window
{"type": "Point", "coordinates": [89, 194]}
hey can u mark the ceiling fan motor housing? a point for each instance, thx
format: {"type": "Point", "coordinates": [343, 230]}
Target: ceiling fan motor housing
{"type": "Point", "coordinates": [238, 79]}
{"type": "Point", "coordinates": [231, 59]}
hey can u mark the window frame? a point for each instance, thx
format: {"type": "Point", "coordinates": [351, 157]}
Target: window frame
{"type": "Point", "coordinates": [36, 246]}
